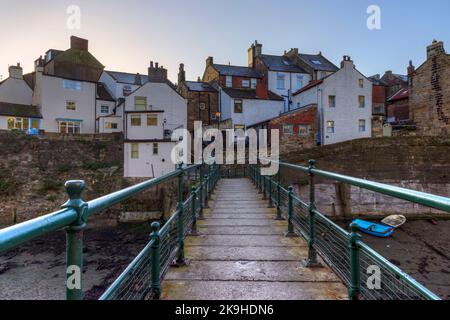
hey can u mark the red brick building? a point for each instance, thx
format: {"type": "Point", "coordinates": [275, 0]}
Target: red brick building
{"type": "Point", "coordinates": [398, 107]}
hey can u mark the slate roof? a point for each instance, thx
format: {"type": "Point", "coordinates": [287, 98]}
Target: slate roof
{"type": "Point", "coordinates": [403, 93]}
{"type": "Point", "coordinates": [199, 86]}
{"type": "Point", "coordinates": [125, 77]}
{"type": "Point", "coordinates": [77, 56]}
{"type": "Point", "coordinates": [377, 80]}
{"type": "Point", "coordinates": [249, 94]}
{"type": "Point", "coordinates": [103, 93]}
{"type": "Point", "coordinates": [322, 64]}
{"type": "Point", "coordinates": [280, 63]}
{"type": "Point", "coordinates": [19, 110]}
{"type": "Point", "coordinates": [237, 71]}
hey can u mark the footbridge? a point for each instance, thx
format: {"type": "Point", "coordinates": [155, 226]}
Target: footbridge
{"type": "Point", "coordinates": [239, 235]}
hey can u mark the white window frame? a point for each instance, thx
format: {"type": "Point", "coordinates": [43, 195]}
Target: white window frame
{"type": "Point", "coordinates": [245, 83]}
{"type": "Point", "coordinates": [135, 117]}
{"type": "Point", "coordinates": [289, 132]}
{"type": "Point", "coordinates": [281, 77]}
{"type": "Point", "coordinates": [144, 99]}
{"type": "Point", "coordinates": [71, 102]}
{"type": "Point", "coordinates": [70, 125]}
{"type": "Point", "coordinates": [300, 81]}
{"type": "Point", "coordinates": [134, 154]}
{"type": "Point", "coordinates": [254, 83]}
{"type": "Point", "coordinates": [102, 108]}
{"type": "Point", "coordinates": [307, 127]}
{"type": "Point", "coordinates": [155, 146]}
{"type": "Point", "coordinates": [72, 85]}
{"type": "Point", "coordinates": [332, 128]}
{"type": "Point", "coordinates": [229, 81]}
{"type": "Point", "coordinates": [362, 127]}
{"type": "Point", "coordinates": [330, 97]}
{"type": "Point", "coordinates": [363, 106]}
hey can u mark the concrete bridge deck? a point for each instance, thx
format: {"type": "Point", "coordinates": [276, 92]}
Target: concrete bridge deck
{"type": "Point", "coordinates": [242, 254]}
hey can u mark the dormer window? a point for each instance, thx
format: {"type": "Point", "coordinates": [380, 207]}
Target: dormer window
{"type": "Point", "coordinates": [126, 90]}
{"type": "Point", "coordinates": [254, 83]}
{"type": "Point", "coordinates": [229, 81]}
{"type": "Point", "coordinates": [317, 62]}
{"type": "Point", "coordinates": [245, 83]}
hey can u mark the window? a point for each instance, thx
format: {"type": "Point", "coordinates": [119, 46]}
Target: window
{"type": "Point", "coordinates": [229, 81]}
{"type": "Point", "coordinates": [71, 105]}
{"type": "Point", "coordinates": [298, 105]}
{"type": "Point", "coordinates": [34, 123]}
{"type": "Point", "coordinates": [332, 101]}
{"type": "Point", "coordinates": [362, 125]}
{"type": "Point", "coordinates": [288, 129]}
{"type": "Point", "coordinates": [317, 62]}
{"type": "Point", "coordinates": [330, 126]}
{"type": "Point", "coordinates": [104, 109]}
{"type": "Point", "coordinates": [299, 81]}
{"type": "Point", "coordinates": [152, 120]}
{"type": "Point", "coordinates": [245, 83]}
{"type": "Point", "coordinates": [213, 116]}
{"type": "Point", "coordinates": [111, 125]}
{"type": "Point", "coordinates": [202, 106]}
{"type": "Point", "coordinates": [239, 127]}
{"type": "Point", "coordinates": [136, 121]}
{"type": "Point", "coordinates": [254, 83]}
{"type": "Point", "coordinates": [71, 85]}
{"type": "Point", "coordinates": [361, 83]}
{"type": "Point", "coordinates": [72, 127]}
{"type": "Point", "coordinates": [17, 124]}
{"type": "Point", "coordinates": [303, 130]}
{"type": "Point", "coordinates": [280, 81]}
{"type": "Point", "coordinates": [140, 103]}
{"type": "Point", "coordinates": [238, 108]}
{"type": "Point", "coordinates": [134, 151]}
{"type": "Point", "coordinates": [126, 90]}
{"type": "Point", "coordinates": [155, 148]}
{"type": "Point", "coordinates": [362, 102]}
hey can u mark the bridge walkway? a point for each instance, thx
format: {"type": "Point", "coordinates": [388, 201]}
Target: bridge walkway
{"type": "Point", "coordinates": [241, 253]}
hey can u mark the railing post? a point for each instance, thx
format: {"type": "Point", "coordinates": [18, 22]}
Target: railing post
{"type": "Point", "coordinates": [180, 257]}
{"type": "Point", "coordinates": [206, 191]}
{"type": "Point", "coordinates": [74, 242]}
{"type": "Point", "coordinates": [194, 212]}
{"type": "Point", "coordinates": [312, 254]}
{"type": "Point", "coordinates": [270, 194]}
{"type": "Point", "coordinates": [355, 283]}
{"type": "Point", "coordinates": [156, 262]}
{"type": "Point", "coordinates": [264, 187]}
{"type": "Point", "coordinates": [290, 233]}
{"type": "Point", "coordinates": [279, 215]}
{"type": "Point", "coordinates": [259, 180]}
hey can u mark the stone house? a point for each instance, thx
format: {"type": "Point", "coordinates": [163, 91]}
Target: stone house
{"type": "Point", "coordinates": [280, 74]}
{"type": "Point", "coordinates": [202, 100]}
{"type": "Point", "coordinates": [243, 95]}
{"type": "Point", "coordinates": [429, 96]}
{"type": "Point", "coordinates": [394, 82]}
{"type": "Point", "coordinates": [344, 104]}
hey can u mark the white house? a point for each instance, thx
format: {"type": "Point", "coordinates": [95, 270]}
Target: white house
{"type": "Point", "coordinates": [16, 109]}
{"type": "Point", "coordinates": [151, 113]}
{"type": "Point", "coordinates": [108, 115]}
{"type": "Point", "coordinates": [344, 102]}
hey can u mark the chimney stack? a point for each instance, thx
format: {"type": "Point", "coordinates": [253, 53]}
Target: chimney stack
{"type": "Point", "coordinates": [181, 74]}
{"type": "Point", "coordinates": [254, 51]}
{"type": "Point", "coordinates": [79, 43]}
{"type": "Point", "coordinates": [209, 61]}
{"type": "Point", "coordinates": [157, 73]}
{"type": "Point", "coordinates": [435, 49]}
{"type": "Point", "coordinates": [411, 68]}
{"type": "Point", "coordinates": [346, 61]}
{"type": "Point", "coordinates": [16, 72]}
{"type": "Point", "coordinates": [138, 79]}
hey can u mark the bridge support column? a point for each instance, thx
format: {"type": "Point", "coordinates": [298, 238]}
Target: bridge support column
{"type": "Point", "coordinates": [312, 262]}
{"type": "Point", "coordinates": [291, 233]}
{"type": "Point", "coordinates": [156, 262]}
{"type": "Point", "coordinates": [74, 242]}
{"type": "Point", "coordinates": [355, 283]}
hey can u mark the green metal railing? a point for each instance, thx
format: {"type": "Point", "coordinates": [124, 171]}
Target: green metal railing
{"type": "Point", "coordinates": [141, 279]}
{"type": "Point", "coordinates": [343, 251]}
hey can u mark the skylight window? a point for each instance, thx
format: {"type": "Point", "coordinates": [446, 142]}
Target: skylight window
{"type": "Point", "coordinates": [316, 62]}
{"type": "Point", "coordinates": [286, 62]}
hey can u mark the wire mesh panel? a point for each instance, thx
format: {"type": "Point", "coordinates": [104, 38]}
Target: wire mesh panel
{"type": "Point", "coordinates": [390, 283]}
{"type": "Point", "coordinates": [284, 202]}
{"type": "Point", "coordinates": [135, 281]}
{"type": "Point", "coordinates": [300, 217]}
{"type": "Point", "coordinates": [187, 215]}
{"type": "Point", "coordinates": [169, 243]}
{"type": "Point", "coordinates": [332, 243]}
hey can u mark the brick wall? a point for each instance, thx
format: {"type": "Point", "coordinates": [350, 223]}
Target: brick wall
{"type": "Point", "coordinates": [430, 95]}
{"type": "Point", "coordinates": [398, 110]}
{"type": "Point", "coordinates": [303, 116]}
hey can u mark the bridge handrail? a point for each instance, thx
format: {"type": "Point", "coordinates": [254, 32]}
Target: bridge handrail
{"type": "Point", "coordinates": [426, 199]}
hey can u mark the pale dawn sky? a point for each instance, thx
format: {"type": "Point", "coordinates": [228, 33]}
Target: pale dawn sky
{"type": "Point", "coordinates": [126, 35]}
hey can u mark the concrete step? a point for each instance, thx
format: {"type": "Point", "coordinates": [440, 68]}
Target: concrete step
{"type": "Point", "coordinates": [251, 290]}
{"type": "Point", "coordinates": [284, 271]}
{"type": "Point", "coordinates": [244, 240]}
{"type": "Point", "coordinates": [241, 222]}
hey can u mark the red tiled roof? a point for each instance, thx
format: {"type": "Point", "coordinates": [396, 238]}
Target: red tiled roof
{"type": "Point", "coordinates": [312, 84]}
{"type": "Point", "coordinates": [403, 93]}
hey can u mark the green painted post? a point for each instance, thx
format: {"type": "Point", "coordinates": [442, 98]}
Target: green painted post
{"type": "Point", "coordinates": [194, 212]}
{"type": "Point", "coordinates": [279, 215]}
{"type": "Point", "coordinates": [290, 233]}
{"type": "Point", "coordinates": [270, 193]}
{"type": "Point", "coordinates": [355, 284]}
{"type": "Point", "coordinates": [74, 242]}
{"type": "Point", "coordinates": [180, 225]}
{"type": "Point", "coordinates": [156, 262]}
{"type": "Point", "coordinates": [206, 191]}
{"type": "Point", "coordinates": [259, 181]}
{"type": "Point", "coordinates": [264, 187]}
{"type": "Point", "coordinates": [312, 262]}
